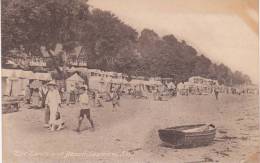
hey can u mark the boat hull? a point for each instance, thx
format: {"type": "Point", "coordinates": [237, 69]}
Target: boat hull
{"type": "Point", "coordinates": [176, 137]}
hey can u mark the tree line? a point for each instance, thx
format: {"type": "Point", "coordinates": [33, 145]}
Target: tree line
{"type": "Point", "coordinates": [107, 42]}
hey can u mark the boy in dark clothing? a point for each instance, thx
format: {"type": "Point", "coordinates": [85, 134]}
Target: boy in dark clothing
{"type": "Point", "coordinates": [84, 109]}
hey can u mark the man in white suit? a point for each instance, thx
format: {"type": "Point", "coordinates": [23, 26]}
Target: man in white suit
{"type": "Point", "coordinates": [53, 101]}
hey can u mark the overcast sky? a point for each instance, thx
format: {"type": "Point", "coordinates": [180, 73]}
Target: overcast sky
{"type": "Point", "coordinates": [224, 30]}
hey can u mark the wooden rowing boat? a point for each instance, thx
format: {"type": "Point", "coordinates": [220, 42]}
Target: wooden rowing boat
{"type": "Point", "coordinates": [188, 135]}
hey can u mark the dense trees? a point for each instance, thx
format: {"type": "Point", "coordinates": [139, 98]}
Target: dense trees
{"type": "Point", "coordinates": [168, 57]}
{"type": "Point", "coordinates": [107, 42]}
{"type": "Point", "coordinates": [36, 23]}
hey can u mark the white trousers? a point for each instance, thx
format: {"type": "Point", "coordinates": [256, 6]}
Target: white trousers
{"type": "Point", "coordinates": [53, 111]}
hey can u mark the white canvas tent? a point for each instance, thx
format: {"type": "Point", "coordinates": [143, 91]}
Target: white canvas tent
{"type": "Point", "coordinates": [95, 82]}
{"type": "Point", "coordinates": [72, 81]}
{"type": "Point", "coordinates": [171, 85]}
{"type": "Point", "coordinates": [15, 81]}
{"type": "Point", "coordinates": [11, 83]}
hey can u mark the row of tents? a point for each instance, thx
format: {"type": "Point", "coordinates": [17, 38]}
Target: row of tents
{"type": "Point", "coordinates": [14, 81]}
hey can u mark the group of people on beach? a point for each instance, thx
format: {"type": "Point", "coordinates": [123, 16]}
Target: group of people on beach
{"type": "Point", "coordinates": [52, 102]}
{"type": "Point", "coordinates": [35, 96]}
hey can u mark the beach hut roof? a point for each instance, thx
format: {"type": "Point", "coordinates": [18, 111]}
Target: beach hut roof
{"type": "Point", "coordinates": [43, 76]}
{"type": "Point", "coordinates": [75, 77]}
{"type": "Point", "coordinates": [7, 72]}
{"type": "Point", "coordinates": [12, 73]}
{"type": "Point", "coordinates": [28, 74]}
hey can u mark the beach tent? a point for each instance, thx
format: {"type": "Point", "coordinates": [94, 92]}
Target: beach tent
{"type": "Point", "coordinates": [95, 82]}
{"type": "Point", "coordinates": [12, 82]}
{"type": "Point", "coordinates": [72, 81]}
{"type": "Point", "coordinates": [171, 85]}
{"type": "Point", "coordinates": [15, 81]}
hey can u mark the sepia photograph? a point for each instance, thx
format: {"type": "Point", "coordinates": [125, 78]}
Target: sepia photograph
{"type": "Point", "coordinates": [130, 81]}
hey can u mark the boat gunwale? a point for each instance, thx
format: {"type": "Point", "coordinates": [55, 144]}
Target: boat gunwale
{"type": "Point", "coordinates": [178, 128]}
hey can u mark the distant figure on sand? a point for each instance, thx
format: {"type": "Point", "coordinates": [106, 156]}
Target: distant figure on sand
{"type": "Point", "coordinates": [84, 109]}
{"type": "Point", "coordinates": [98, 100]}
{"type": "Point", "coordinates": [115, 99]}
{"type": "Point", "coordinates": [216, 92]}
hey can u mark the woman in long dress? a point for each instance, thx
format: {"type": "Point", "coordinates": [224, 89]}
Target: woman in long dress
{"type": "Point", "coordinates": [27, 95]}
{"type": "Point", "coordinates": [36, 98]}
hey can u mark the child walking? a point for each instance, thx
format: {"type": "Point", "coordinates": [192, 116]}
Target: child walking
{"type": "Point", "coordinates": [84, 109]}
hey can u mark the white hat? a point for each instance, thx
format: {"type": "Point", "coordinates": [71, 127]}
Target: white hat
{"type": "Point", "coordinates": [52, 83]}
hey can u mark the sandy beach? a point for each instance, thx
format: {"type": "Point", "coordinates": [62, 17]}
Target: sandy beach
{"type": "Point", "coordinates": [131, 133]}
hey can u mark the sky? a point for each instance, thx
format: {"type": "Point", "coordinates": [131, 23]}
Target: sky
{"type": "Point", "coordinates": [226, 31]}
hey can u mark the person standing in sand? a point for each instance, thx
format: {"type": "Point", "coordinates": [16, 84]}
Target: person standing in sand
{"type": "Point", "coordinates": [216, 92]}
{"type": "Point", "coordinates": [53, 101]}
{"type": "Point", "coordinates": [84, 105]}
{"type": "Point", "coordinates": [115, 100]}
